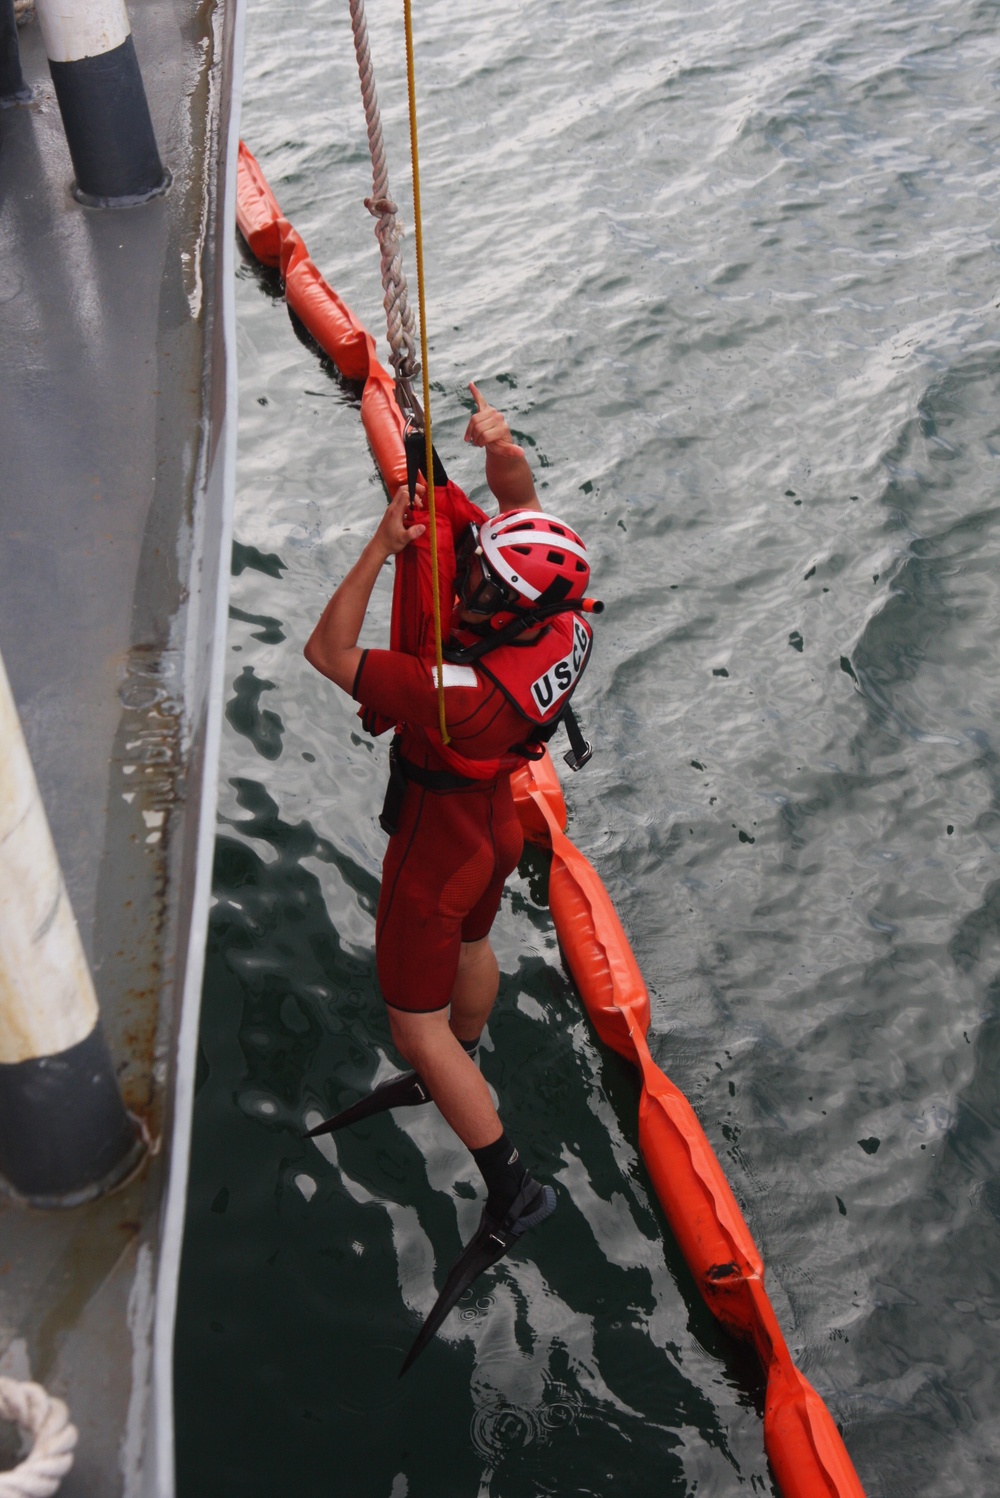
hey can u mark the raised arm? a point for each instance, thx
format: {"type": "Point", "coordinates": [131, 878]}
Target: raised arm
{"type": "Point", "coordinates": [507, 470]}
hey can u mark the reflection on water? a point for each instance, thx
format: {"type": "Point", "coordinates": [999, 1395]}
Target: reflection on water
{"type": "Point", "coordinates": [732, 275]}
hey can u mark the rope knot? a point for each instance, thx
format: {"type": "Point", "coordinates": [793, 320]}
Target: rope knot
{"type": "Point", "coordinates": [51, 1454]}
{"type": "Point", "coordinates": [380, 207]}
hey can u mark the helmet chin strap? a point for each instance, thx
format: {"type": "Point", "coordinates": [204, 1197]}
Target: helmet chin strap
{"type": "Point", "coordinates": [491, 637]}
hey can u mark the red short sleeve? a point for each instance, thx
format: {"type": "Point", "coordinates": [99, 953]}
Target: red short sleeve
{"type": "Point", "coordinates": [481, 722]}
{"type": "Point", "coordinates": [404, 687]}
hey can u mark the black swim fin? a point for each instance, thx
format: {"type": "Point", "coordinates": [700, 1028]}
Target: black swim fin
{"type": "Point", "coordinates": [404, 1091]}
{"type": "Point", "coordinates": [493, 1237]}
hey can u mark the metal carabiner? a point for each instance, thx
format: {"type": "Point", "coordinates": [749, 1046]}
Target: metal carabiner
{"type": "Point", "coordinates": [407, 401]}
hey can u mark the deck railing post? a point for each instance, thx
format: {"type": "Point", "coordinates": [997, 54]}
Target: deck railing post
{"type": "Point", "coordinates": [13, 89]}
{"type": "Point", "coordinates": [102, 101]}
{"type": "Point", "coordinates": [65, 1134]}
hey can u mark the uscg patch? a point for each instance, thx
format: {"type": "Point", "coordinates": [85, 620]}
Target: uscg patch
{"type": "Point", "coordinates": [563, 676]}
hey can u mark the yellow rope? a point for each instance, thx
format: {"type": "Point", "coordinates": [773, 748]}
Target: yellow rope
{"type": "Point", "coordinates": [429, 444]}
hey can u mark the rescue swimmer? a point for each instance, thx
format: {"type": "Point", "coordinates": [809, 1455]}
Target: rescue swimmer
{"type": "Point", "coordinates": [517, 646]}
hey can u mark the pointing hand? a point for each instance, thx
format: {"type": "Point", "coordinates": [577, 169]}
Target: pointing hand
{"type": "Point", "coordinates": [487, 426]}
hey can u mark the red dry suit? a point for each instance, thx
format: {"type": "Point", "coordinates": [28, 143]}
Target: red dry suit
{"type": "Point", "coordinates": [458, 835]}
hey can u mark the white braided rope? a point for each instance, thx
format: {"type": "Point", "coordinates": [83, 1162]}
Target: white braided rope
{"type": "Point", "coordinates": [51, 1454]}
{"type": "Point", "coordinates": [401, 328]}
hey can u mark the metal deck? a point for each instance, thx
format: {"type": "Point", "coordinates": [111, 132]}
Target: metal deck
{"type": "Point", "coordinates": [117, 446]}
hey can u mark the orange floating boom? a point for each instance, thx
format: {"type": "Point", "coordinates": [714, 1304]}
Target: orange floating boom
{"type": "Point", "coordinates": [318, 307]}
{"type": "Point", "coordinates": [804, 1447]}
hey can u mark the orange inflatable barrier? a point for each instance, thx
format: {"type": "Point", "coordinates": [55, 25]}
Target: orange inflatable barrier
{"type": "Point", "coordinates": [804, 1447]}
{"type": "Point", "coordinates": [275, 243]}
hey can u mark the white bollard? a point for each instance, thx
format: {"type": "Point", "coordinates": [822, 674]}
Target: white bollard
{"type": "Point", "coordinates": [64, 1131]}
{"type": "Point", "coordinates": [102, 101]}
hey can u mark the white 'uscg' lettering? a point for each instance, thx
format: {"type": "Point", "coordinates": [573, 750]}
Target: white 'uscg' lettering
{"type": "Point", "coordinates": [562, 677]}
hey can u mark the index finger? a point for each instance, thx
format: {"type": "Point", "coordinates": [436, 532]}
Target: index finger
{"type": "Point", "coordinates": [482, 404]}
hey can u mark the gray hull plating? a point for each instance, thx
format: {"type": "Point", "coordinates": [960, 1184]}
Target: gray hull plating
{"type": "Point", "coordinates": [117, 436]}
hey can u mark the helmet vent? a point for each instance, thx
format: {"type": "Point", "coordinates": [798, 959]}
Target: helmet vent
{"type": "Point", "coordinates": [538, 558]}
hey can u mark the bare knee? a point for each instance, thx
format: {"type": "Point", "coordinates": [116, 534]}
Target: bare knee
{"type": "Point", "coordinates": [478, 976]}
{"type": "Point", "coordinates": [419, 1037]}
{"type": "Point", "coordinates": [475, 989]}
{"type": "Point", "coordinates": [473, 954]}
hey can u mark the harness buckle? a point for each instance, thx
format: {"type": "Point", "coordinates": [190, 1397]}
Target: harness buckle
{"type": "Point", "coordinates": [577, 761]}
{"type": "Point", "coordinates": [580, 749]}
{"type": "Point", "coordinates": [407, 401]}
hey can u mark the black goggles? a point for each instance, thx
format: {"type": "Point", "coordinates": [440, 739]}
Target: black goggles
{"type": "Point", "coordinates": [479, 590]}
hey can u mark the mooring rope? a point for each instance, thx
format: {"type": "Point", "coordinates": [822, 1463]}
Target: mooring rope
{"type": "Point", "coordinates": [51, 1454]}
{"type": "Point", "coordinates": [400, 325]}
{"type": "Point", "coordinates": [428, 441]}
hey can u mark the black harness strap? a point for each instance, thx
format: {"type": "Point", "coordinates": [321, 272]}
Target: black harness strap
{"type": "Point", "coordinates": [436, 780]}
{"type": "Point", "coordinates": [392, 806]}
{"type": "Point", "coordinates": [415, 445]}
{"type": "Point", "coordinates": [403, 770]}
{"type": "Point", "coordinates": [580, 749]}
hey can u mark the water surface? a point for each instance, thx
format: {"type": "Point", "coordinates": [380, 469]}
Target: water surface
{"type": "Point", "coordinates": [733, 276]}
